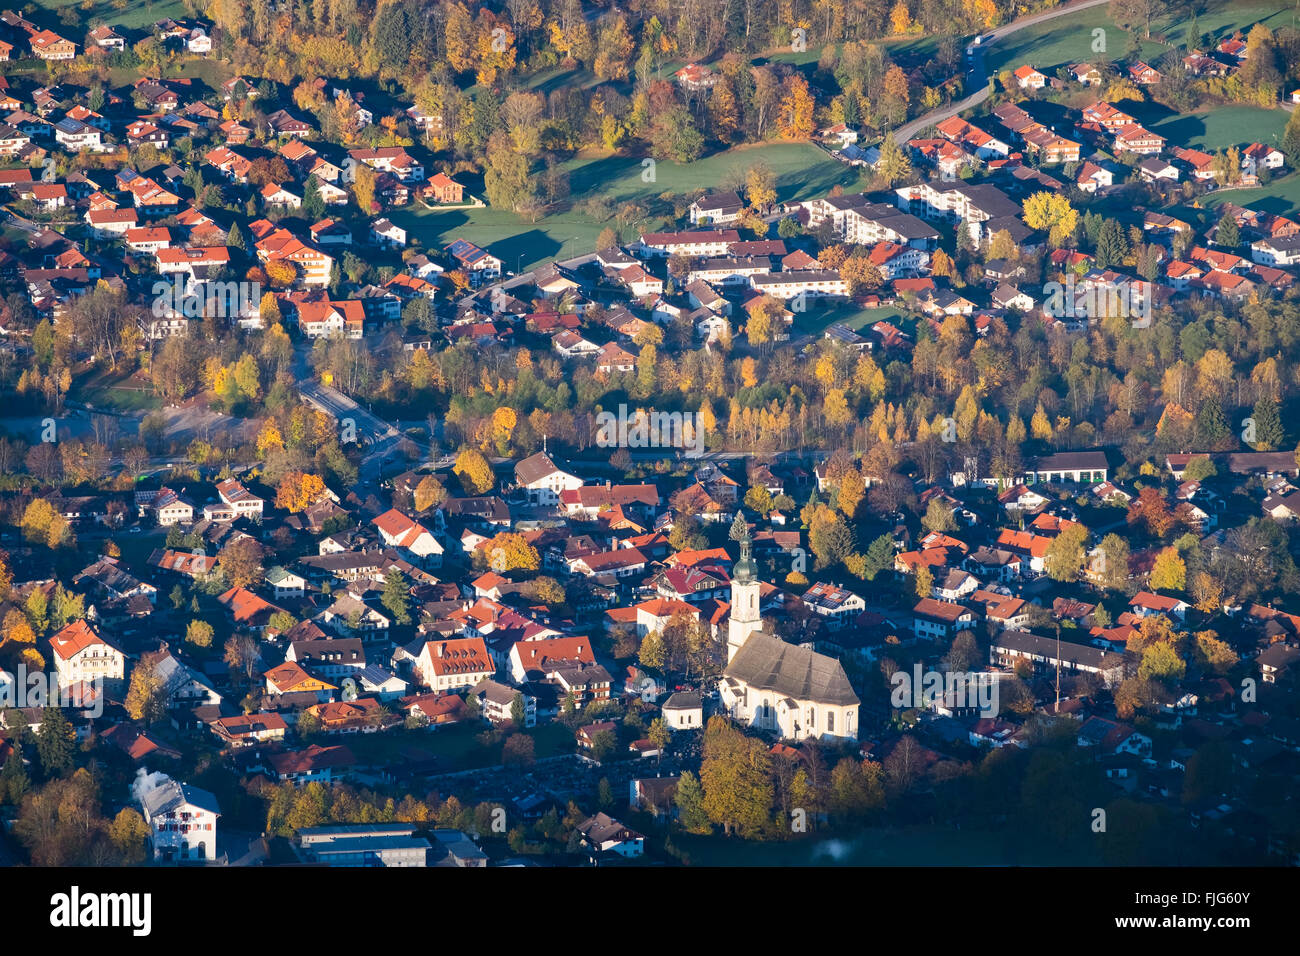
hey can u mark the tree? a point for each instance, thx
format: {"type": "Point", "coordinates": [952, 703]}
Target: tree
{"type": "Point", "coordinates": [298, 491]}
{"type": "Point", "coordinates": [199, 633]}
{"type": "Point", "coordinates": [1291, 138]}
{"type": "Point", "coordinates": [894, 166]}
{"type": "Point", "coordinates": [659, 735]}
{"type": "Point", "coordinates": [518, 711]}
{"type": "Point", "coordinates": [363, 189]}
{"type": "Point", "coordinates": [1114, 558]}
{"type": "Point", "coordinates": [1051, 212]}
{"type": "Point", "coordinates": [509, 551]}
{"type": "Point", "coordinates": [675, 136]}
{"type": "Point", "coordinates": [796, 109]}
{"type": "Point", "coordinates": [396, 596]}
{"type": "Point", "coordinates": [689, 800]}
{"type": "Point", "coordinates": [736, 777]}
{"type": "Point", "coordinates": [1065, 556]}
{"type": "Point", "coordinates": [54, 742]}
{"type": "Point", "coordinates": [879, 556]}
{"type": "Point", "coordinates": [519, 751]}
{"type": "Point", "coordinates": [14, 780]}
{"type": "Point", "coordinates": [146, 696]}
{"type": "Point", "coordinates": [129, 835]}
{"type": "Point", "coordinates": [241, 562]}
{"type": "Point", "coordinates": [1161, 662]}
{"type": "Point", "coordinates": [1169, 573]}
{"type": "Point", "coordinates": [429, 493]}
{"type": "Point", "coordinates": [1269, 433]}
{"type": "Point", "coordinates": [1227, 233]}
{"type": "Point", "coordinates": [474, 472]}
{"type": "Point", "coordinates": [938, 517]}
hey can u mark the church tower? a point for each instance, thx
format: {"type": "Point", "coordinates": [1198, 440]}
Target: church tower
{"type": "Point", "coordinates": [744, 617]}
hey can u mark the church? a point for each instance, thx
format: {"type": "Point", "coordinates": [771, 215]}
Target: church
{"type": "Point", "coordinates": [774, 686]}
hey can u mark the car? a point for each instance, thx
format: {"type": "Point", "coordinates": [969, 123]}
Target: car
{"type": "Point", "coordinates": [136, 529]}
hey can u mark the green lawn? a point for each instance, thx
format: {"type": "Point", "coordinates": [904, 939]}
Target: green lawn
{"type": "Point", "coordinates": [1069, 39]}
{"type": "Point", "coordinates": [121, 393]}
{"type": "Point", "coordinates": [1280, 197]}
{"type": "Point", "coordinates": [456, 747]}
{"type": "Point", "coordinates": [1214, 129]}
{"type": "Point", "coordinates": [816, 321]}
{"type": "Point", "coordinates": [137, 14]}
{"type": "Point", "coordinates": [801, 171]}
{"type": "Point", "coordinates": [887, 846]}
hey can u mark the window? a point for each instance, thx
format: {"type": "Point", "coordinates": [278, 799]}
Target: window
{"type": "Point", "coordinates": [830, 721]}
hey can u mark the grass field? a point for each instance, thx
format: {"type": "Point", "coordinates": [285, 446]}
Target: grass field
{"type": "Point", "coordinates": [122, 393]}
{"type": "Point", "coordinates": [889, 846]}
{"type": "Point", "coordinates": [1280, 197]}
{"type": "Point", "coordinates": [457, 747]}
{"type": "Point", "coordinates": [801, 171]}
{"type": "Point", "coordinates": [816, 321]}
{"type": "Point", "coordinates": [1069, 39]}
{"type": "Point", "coordinates": [1220, 127]}
{"type": "Point", "coordinates": [136, 14]}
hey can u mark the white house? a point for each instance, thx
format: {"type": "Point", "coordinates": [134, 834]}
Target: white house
{"type": "Point", "coordinates": [81, 655]}
{"type": "Point", "coordinates": [448, 665]}
{"type": "Point", "coordinates": [543, 480]}
{"type": "Point", "coordinates": [399, 531]}
{"type": "Point", "coordinates": [182, 820]}
{"type": "Point", "coordinates": [684, 710]}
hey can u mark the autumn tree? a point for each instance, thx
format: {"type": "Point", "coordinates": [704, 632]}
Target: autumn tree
{"type": "Point", "coordinates": [298, 490]}
{"type": "Point", "coordinates": [474, 472]}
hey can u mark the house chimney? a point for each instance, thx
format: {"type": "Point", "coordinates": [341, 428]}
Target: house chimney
{"type": "Point", "coordinates": [442, 647]}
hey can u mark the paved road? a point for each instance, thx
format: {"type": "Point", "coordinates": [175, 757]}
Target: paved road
{"type": "Point", "coordinates": [976, 78]}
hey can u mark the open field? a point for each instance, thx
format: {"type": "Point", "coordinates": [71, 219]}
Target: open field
{"type": "Point", "coordinates": [801, 171]}
{"type": "Point", "coordinates": [816, 321]}
{"type": "Point", "coordinates": [136, 15]}
{"type": "Point", "coordinates": [1069, 39]}
{"type": "Point", "coordinates": [1280, 197]}
{"type": "Point", "coordinates": [1223, 126]}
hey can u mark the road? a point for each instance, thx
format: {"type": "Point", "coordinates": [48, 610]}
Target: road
{"type": "Point", "coordinates": [976, 77]}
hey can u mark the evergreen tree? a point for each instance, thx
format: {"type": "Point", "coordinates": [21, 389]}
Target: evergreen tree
{"type": "Point", "coordinates": [13, 779]}
{"type": "Point", "coordinates": [313, 206]}
{"type": "Point", "coordinates": [235, 239]}
{"type": "Point", "coordinates": [1211, 424]}
{"type": "Point", "coordinates": [396, 597]}
{"type": "Point", "coordinates": [1112, 244]}
{"type": "Point", "coordinates": [1227, 234]}
{"type": "Point", "coordinates": [880, 556]}
{"type": "Point", "coordinates": [54, 742]}
{"type": "Point", "coordinates": [1269, 433]}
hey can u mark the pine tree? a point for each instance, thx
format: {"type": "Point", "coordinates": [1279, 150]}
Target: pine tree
{"type": "Point", "coordinates": [1112, 244]}
{"type": "Point", "coordinates": [1291, 138]}
{"type": "Point", "coordinates": [235, 239]}
{"type": "Point", "coordinates": [1269, 433]}
{"type": "Point", "coordinates": [13, 779]}
{"type": "Point", "coordinates": [54, 742]}
{"type": "Point", "coordinates": [1211, 424]}
{"type": "Point", "coordinates": [396, 597]}
{"type": "Point", "coordinates": [1227, 234]}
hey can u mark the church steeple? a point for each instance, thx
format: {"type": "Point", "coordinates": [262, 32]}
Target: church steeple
{"type": "Point", "coordinates": [744, 618]}
{"type": "Point", "coordinates": [746, 570]}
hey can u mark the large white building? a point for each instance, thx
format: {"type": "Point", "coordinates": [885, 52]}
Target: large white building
{"type": "Point", "coordinates": [81, 655]}
{"type": "Point", "coordinates": [774, 686]}
{"type": "Point", "coordinates": [183, 821]}
{"type": "Point", "coordinates": [543, 480]}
